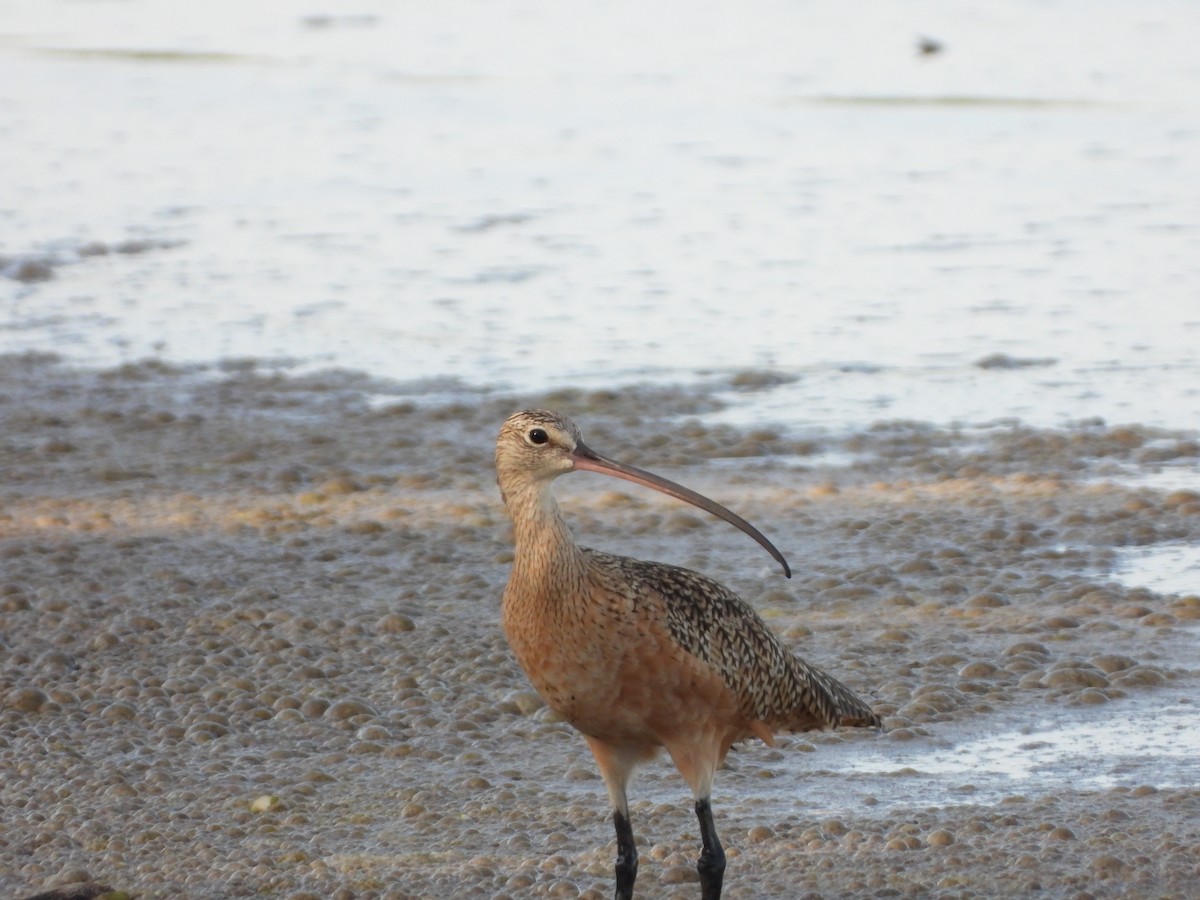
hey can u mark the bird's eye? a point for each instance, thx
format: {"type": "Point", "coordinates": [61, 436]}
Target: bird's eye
{"type": "Point", "coordinates": [538, 436]}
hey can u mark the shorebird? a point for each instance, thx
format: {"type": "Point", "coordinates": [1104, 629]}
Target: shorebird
{"type": "Point", "coordinates": [640, 656]}
{"type": "Point", "coordinates": [927, 46]}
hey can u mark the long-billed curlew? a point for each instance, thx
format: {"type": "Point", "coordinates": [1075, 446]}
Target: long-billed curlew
{"type": "Point", "coordinates": [642, 655]}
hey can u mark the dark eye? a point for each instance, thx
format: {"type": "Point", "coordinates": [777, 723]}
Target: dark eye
{"type": "Point", "coordinates": [538, 436]}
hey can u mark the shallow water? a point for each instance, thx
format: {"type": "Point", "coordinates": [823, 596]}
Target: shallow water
{"type": "Point", "coordinates": [531, 195]}
{"type": "Point", "coordinates": [1151, 743]}
{"type": "Point", "coordinates": [1164, 568]}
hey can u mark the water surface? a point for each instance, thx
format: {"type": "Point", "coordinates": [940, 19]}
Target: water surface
{"type": "Point", "coordinates": [526, 195]}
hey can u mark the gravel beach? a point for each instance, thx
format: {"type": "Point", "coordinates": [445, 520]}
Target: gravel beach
{"type": "Point", "coordinates": [250, 646]}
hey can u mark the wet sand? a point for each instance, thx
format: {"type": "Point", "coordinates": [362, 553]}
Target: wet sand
{"type": "Point", "coordinates": [250, 645]}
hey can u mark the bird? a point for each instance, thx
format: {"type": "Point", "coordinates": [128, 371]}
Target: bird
{"type": "Point", "coordinates": [927, 46]}
{"type": "Point", "coordinates": [643, 656]}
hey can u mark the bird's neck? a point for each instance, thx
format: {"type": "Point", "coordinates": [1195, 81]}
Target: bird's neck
{"type": "Point", "coordinates": [545, 559]}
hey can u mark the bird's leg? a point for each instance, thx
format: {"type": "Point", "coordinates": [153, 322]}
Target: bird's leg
{"type": "Point", "coordinates": [711, 864]}
{"type": "Point", "coordinates": [616, 764]}
{"type": "Point", "coordinates": [627, 857]}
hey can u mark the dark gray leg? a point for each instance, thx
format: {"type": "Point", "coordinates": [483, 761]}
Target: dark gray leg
{"type": "Point", "coordinates": [627, 858]}
{"type": "Point", "coordinates": [711, 864]}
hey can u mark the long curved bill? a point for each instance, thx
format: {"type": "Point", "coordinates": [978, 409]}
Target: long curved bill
{"type": "Point", "coordinates": [589, 460]}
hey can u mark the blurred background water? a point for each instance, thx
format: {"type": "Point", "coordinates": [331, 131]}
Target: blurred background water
{"type": "Point", "coordinates": [524, 194]}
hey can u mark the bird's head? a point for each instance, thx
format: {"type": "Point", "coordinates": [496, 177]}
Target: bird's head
{"type": "Point", "coordinates": [535, 446]}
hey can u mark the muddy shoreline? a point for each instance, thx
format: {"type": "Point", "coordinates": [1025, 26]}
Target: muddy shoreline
{"type": "Point", "coordinates": [250, 645]}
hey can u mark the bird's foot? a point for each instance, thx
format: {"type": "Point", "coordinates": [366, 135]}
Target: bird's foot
{"type": "Point", "coordinates": [627, 857]}
{"type": "Point", "coordinates": [711, 864]}
{"type": "Point", "coordinates": [712, 874]}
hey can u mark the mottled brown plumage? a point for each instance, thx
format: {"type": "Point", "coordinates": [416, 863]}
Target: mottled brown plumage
{"type": "Point", "coordinates": [711, 622]}
{"type": "Point", "coordinates": [642, 655]}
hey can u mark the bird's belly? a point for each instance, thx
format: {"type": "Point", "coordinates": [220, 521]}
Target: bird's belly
{"type": "Point", "coordinates": [622, 684]}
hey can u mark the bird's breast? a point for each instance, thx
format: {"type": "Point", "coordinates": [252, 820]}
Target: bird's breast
{"type": "Point", "coordinates": [571, 648]}
{"type": "Point", "coordinates": [610, 666]}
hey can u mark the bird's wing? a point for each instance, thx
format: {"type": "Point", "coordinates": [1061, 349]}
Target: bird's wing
{"type": "Point", "coordinates": [714, 624]}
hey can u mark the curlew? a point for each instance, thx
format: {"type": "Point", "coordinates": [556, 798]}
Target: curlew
{"type": "Point", "coordinates": [638, 655]}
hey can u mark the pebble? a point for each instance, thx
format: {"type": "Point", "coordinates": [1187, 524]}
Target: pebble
{"type": "Point", "coordinates": [372, 733]}
{"type": "Point", "coordinates": [315, 707]}
{"type": "Point", "coordinates": [1081, 675]}
{"type": "Point", "coordinates": [73, 875]}
{"type": "Point", "coordinates": [1139, 676]}
{"type": "Point", "coordinates": [118, 712]}
{"type": "Point", "coordinates": [265, 803]}
{"type": "Point", "coordinates": [1113, 662]}
{"type": "Point", "coordinates": [987, 601]}
{"type": "Point", "coordinates": [525, 702]}
{"type": "Point", "coordinates": [978, 670]}
{"type": "Point", "coordinates": [394, 623]}
{"type": "Point", "coordinates": [26, 699]}
{"type": "Point", "coordinates": [340, 485]}
{"type": "Point", "coordinates": [1106, 865]}
{"type": "Point", "coordinates": [680, 875]}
